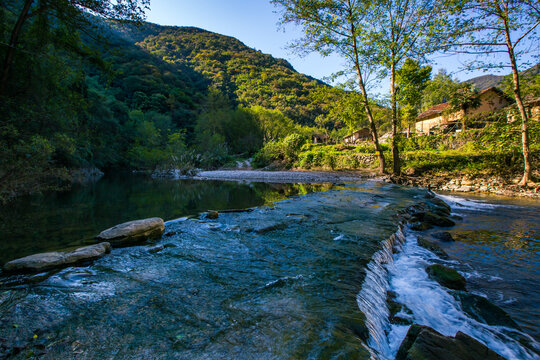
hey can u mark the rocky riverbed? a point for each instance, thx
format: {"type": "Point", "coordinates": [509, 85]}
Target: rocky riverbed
{"type": "Point", "coordinates": [316, 275]}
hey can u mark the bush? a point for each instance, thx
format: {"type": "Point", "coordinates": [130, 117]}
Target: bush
{"type": "Point", "coordinates": [284, 150]}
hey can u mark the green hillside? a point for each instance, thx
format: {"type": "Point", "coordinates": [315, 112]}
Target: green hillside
{"type": "Point", "coordinates": [247, 76]}
{"type": "Point", "coordinates": [117, 95]}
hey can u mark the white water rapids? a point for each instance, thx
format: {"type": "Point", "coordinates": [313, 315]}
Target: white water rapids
{"type": "Point", "coordinates": [404, 273]}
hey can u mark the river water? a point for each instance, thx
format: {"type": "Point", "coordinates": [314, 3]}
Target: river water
{"type": "Point", "coordinates": [297, 277]}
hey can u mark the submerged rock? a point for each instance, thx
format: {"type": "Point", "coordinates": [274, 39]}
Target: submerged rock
{"type": "Point", "coordinates": [133, 231]}
{"type": "Point", "coordinates": [156, 249]}
{"type": "Point", "coordinates": [267, 228]}
{"type": "Point", "coordinates": [431, 246]}
{"type": "Point", "coordinates": [483, 310]}
{"type": "Point", "coordinates": [420, 226]}
{"type": "Point", "coordinates": [422, 342]}
{"type": "Point", "coordinates": [446, 276]}
{"type": "Point", "coordinates": [51, 260]}
{"type": "Point", "coordinates": [443, 236]}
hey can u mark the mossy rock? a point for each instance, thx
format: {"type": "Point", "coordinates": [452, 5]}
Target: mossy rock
{"type": "Point", "coordinates": [431, 246]}
{"type": "Point", "coordinates": [446, 276]}
{"type": "Point", "coordinates": [443, 236]}
{"type": "Point", "coordinates": [483, 310]}
{"type": "Point", "coordinates": [440, 203]}
{"type": "Point", "coordinates": [356, 323]}
{"type": "Point", "coordinates": [395, 308]}
{"type": "Point", "coordinates": [420, 226]}
{"type": "Point", "coordinates": [437, 220]}
{"type": "Point", "coordinates": [424, 343]}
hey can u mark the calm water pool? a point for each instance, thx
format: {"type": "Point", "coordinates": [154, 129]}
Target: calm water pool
{"type": "Point", "coordinates": [55, 221]}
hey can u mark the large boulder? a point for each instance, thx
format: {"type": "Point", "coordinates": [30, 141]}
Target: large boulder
{"type": "Point", "coordinates": [422, 342]}
{"type": "Point", "coordinates": [133, 231]}
{"type": "Point", "coordinates": [51, 260]}
{"type": "Point", "coordinates": [440, 204]}
{"type": "Point", "coordinates": [424, 216]}
{"type": "Point", "coordinates": [446, 276]}
{"type": "Point", "coordinates": [482, 310]}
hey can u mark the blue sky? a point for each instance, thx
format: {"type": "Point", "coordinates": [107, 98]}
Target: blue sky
{"type": "Point", "coordinates": [255, 23]}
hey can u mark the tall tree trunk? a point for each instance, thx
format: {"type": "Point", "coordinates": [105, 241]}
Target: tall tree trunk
{"type": "Point", "coordinates": [396, 129]}
{"type": "Point", "coordinates": [524, 128]}
{"type": "Point", "coordinates": [517, 93]}
{"type": "Point", "coordinates": [372, 126]}
{"type": "Point", "coordinates": [365, 99]}
{"type": "Point", "coordinates": [12, 46]}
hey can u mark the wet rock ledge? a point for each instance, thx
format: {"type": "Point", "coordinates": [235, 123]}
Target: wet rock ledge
{"type": "Point", "coordinates": [422, 342]}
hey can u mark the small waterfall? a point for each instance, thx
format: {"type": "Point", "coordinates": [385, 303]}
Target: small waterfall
{"type": "Point", "coordinates": [431, 304]}
{"type": "Point", "coordinates": [372, 297]}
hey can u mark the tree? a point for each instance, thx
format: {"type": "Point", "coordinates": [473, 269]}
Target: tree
{"type": "Point", "coordinates": [342, 108]}
{"type": "Point", "coordinates": [438, 90]}
{"type": "Point", "coordinates": [72, 13]}
{"type": "Point", "coordinates": [273, 124]}
{"type": "Point", "coordinates": [395, 30]}
{"type": "Point", "coordinates": [334, 26]}
{"type": "Point", "coordinates": [411, 81]}
{"type": "Point", "coordinates": [501, 27]}
{"type": "Point", "coordinates": [463, 98]}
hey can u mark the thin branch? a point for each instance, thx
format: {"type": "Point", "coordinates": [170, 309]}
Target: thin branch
{"type": "Point", "coordinates": [526, 33]}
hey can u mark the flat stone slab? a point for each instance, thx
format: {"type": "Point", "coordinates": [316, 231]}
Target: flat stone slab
{"type": "Point", "coordinates": [51, 260]}
{"type": "Point", "coordinates": [133, 231]}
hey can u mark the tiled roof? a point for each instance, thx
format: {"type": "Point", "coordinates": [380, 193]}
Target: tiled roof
{"type": "Point", "coordinates": [437, 109]}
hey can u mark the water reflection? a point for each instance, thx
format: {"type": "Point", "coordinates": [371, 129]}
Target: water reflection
{"type": "Point", "coordinates": [59, 220]}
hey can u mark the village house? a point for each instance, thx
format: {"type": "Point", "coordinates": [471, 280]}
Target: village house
{"type": "Point", "coordinates": [491, 99]}
{"type": "Point", "coordinates": [358, 136]}
{"type": "Point", "coordinates": [532, 107]}
{"type": "Point", "coordinates": [320, 138]}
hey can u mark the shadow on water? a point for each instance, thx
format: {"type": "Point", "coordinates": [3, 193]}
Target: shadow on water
{"type": "Point", "coordinates": [55, 221]}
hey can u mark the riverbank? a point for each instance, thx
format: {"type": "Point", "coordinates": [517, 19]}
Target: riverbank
{"type": "Point", "coordinates": [495, 185]}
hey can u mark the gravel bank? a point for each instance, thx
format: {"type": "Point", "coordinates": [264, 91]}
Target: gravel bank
{"type": "Point", "coordinates": [281, 176]}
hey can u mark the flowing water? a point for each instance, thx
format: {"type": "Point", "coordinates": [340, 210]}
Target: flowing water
{"type": "Point", "coordinates": [293, 279]}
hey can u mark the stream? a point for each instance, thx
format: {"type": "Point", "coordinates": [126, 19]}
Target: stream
{"type": "Point", "coordinates": [299, 276]}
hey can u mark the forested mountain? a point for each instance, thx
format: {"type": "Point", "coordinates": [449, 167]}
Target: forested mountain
{"type": "Point", "coordinates": [245, 75]}
{"type": "Point", "coordinates": [112, 94]}
{"type": "Point", "coordinates": [485, 81]}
